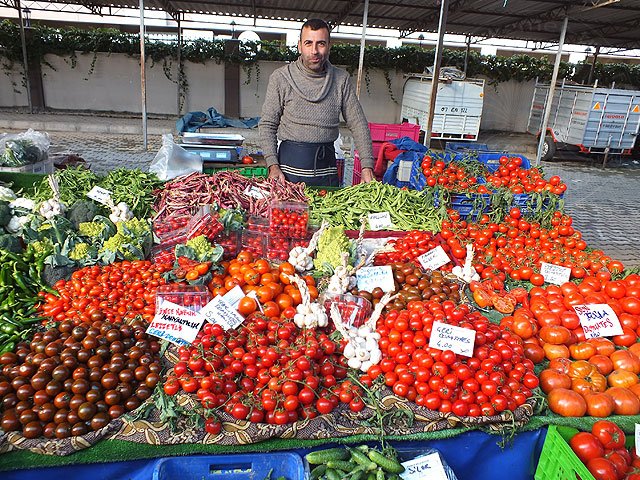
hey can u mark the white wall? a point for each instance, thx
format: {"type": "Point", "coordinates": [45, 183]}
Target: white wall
{"type": "Point", "coordinates": [114, 85]}
{"type": "Point", "coordinates": [12, 91]}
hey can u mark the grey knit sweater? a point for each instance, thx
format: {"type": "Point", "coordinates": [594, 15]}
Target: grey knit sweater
{"type": "Point", "coordinates": [304, 106]}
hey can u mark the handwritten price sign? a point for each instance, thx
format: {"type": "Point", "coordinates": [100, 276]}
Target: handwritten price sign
{"type": "Point", "coordinates": [369, 278]}
{"type": "Point", "coordinates": [175, 323]}
{"type": "Point", "coordinates": [598, 320]}
{"type": "Point", "coordinates": [449, 337]}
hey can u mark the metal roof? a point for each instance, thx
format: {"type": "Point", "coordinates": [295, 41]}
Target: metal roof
{"type": "Point", "coordinates": [606, 23]}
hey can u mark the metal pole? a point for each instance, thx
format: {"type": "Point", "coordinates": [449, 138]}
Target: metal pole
{"type": "Point", "coordinates": [552, 89]}
{"type": "Point", "coordinates": [362, 41]}
{"type": "Point", "coordinates": [466, 54]}
{"type": "Point", "coordinates": [25, 65]}
{"type": "Point", "coordinates": [143, 81]}
{"type": "Point", "coordinates": [442, 25]}
{"type": "Point", "coordinates": [179, 109]}
{"type": "Point", "coordinates": [593, 64]}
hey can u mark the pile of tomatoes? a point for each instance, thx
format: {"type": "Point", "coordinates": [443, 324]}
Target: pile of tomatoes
{"type": "Point", "coordinates": [411, 246]}
{"type": "Point", "coordinates": [115, 292]}
{"type": "Point", "coordinates": [604, 452]}
{"type": "Point", "coordinates": [71, 380]}
{"type": "Point", "coordinates": [266, 371]}
{"type": "Point", "coordinates": [496, 378]}
{"type": "Point", "coordinates": [518, 180]}
{"type": "Point", "coordinates": [517, 247]}
{"type": "Point", "coordinates": [451, 176]}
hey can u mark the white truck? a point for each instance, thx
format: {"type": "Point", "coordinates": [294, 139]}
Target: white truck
{"type": "Point", "coordinates": [590, 119]}
{"type": "Point", "coordinates": [458, 107]}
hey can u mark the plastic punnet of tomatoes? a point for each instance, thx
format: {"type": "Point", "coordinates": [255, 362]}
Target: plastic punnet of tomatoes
{"type": "Point", "coordinates": [288, 219]}
{"type": "Point", "coordinates": [254, 242]}
{"type": "Point", "coordinates": [170, 227]}
{"type": "Point", "coordinates": [204, 223]}
{"type": "Point", "coordinates": [230, 242]}
{"type": "Point", "coordinates": [193, 297]}
{"type": "Point", "coordinates": [354, 310]}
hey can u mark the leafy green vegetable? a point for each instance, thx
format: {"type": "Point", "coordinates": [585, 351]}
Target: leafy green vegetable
{"type": "Point", "coordinates": [10, 243]}
{"type": "Point", "coordinates": [5, 213]}
{"type": "Point", "coordinates": [82, 211]}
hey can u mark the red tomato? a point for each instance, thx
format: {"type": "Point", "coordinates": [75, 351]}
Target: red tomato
{"type": "Point", "coordinates": [586, 446]}
{"type": "Point", "coordinates": [602, 469]}
{"type": "Point", "coordinates": [610, 435]}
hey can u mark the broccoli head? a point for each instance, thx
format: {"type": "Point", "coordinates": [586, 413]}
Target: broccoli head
{"type": "Point", "coordinates": [5, 214]}
{"type": "Point", "coordinates": [80, 251]}
{"type": "Point", "coordinates": [10, 243]}
{"type": "Point", "coordinates": [91, 229]}
{"type": "Point", "coordinates": [82, 211]}
{"type": "Point", "coordinates": [40, 248]}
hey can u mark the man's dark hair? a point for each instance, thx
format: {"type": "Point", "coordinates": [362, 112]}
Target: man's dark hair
{"type": "Point", "coordinates": [315, 24]}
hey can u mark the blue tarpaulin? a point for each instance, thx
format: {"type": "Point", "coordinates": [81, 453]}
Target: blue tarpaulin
{"type": "Point", "coordinates": [192, 121]}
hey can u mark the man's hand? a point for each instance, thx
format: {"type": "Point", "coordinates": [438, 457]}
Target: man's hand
{"type": "Point", "coordinates": [367, 175]}
{"type": "Point", "coordinates": [276, 173]}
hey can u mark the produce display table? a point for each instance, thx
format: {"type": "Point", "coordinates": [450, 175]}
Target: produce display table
{"type": "Point", "coordinates": [472, 455]}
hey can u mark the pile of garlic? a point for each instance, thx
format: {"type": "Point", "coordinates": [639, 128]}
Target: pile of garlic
{"type": "Point", "coordinates": [362, 350]}
{"type": "Point", "coordinates": [300, 257]}
{"type": "Point", "coordinates": [308, 314]}
{"type": "Point", "coordinates": [466, 273]}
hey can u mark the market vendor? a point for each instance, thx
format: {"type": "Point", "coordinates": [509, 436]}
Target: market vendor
{"type": "Point", "coordinates": [302, 108]}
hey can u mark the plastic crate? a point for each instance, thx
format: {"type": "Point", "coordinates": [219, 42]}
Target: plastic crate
{"type": "Point", "coordinates": [231, 467]}
{"type": "Point", "coordinates": [557, 460]}
{"type": "Point", "coordinates": [44, 167]}
{"type": "Point", "coordinates": [385, 132]}
{"type": "Point", "coordinates": [21, 181]}
{"type": "Point", "coordinates": [250, 172]}
{"type": "Point", "coordinates": [465, 147]}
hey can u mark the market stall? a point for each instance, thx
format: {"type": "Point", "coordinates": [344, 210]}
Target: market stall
{"type": "Point", "coordinates": [356, 328]}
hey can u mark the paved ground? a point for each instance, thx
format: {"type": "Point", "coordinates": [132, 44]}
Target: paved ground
{"type": "Point", "coordinates": [603, 202]}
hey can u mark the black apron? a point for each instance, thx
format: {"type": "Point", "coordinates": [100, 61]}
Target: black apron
{"type": "Point", "coordinates": [311, 163]}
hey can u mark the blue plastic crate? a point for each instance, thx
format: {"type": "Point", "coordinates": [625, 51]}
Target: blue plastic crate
{"type": "Point", "coordinates": [465, 146]}
{"type": "Point", "coordinates": [231, 467]}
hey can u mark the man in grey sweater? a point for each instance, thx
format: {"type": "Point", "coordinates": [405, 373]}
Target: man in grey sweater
{"type": "Point", "coordinates": [302, 108]}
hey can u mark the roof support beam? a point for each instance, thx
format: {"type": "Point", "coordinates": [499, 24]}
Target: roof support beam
{"type": "Point", "coordinates": [429, 21]}
{"type": "Point", "coordinates": [336, 20]}
{"type": "Point", "coordinates": [166, 6]}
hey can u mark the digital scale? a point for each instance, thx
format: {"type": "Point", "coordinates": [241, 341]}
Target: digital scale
{"type": "Point", "coordinates": [214, 147]}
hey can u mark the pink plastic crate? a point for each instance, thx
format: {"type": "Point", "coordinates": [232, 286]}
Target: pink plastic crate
{"type": "Point", "coordinates": [385, 132]}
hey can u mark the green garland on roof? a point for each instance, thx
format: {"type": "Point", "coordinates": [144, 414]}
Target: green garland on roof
{"type": "Point", "coordinates": [66, 42]}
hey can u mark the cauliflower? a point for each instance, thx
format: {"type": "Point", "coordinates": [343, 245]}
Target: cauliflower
{"type": "Point", "coordinates": [135, 227]}
{"type": "Point", "coordinates": [120, 213]}
{"type": "Point", "coordinates": [41, 248]}
{"type": "Point", "coordinates": [7, 194]}
{"type": "Point", "coordinates": [23, 203]}
{"type": "Point", "coordinates": [16, 224]}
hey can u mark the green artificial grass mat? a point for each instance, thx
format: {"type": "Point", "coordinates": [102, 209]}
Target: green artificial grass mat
{"type": "Point", "coordinates": [121, 451]}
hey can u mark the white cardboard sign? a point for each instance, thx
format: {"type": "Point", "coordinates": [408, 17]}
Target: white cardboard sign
{"type": "Point", "coordinates": [598, 320]}
{"type": "Point", "coordinates": [234, 296]}
{"type": "Point", "coordinates": [450, 337]}
{"type": "Point", "coordinates": [379, 221]}
{"type": "Point", "coordinates": [434, 258]}
{"type": "Point", "coordinates": [100, 195]}
{"type": "Point", "coordinates": [175, 323]}
{"type": "Point", "coordinates": [369, 278]}
{"type": "Point", "coordinates": [221, 312]}
{"type": "Point", "coordinates": [425, 467]}
{"type": "Point", "coordinates": [555, 274]}
{"type": "Point", "coordinates": [255, 192]}
{"type": "Point", "coordinates": [638, 439]}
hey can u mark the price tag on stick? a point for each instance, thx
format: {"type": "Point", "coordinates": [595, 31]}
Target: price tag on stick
{"type": "Point", "coordinates": [598, 320]}
{"type": "Point", "coordinates": [424, 467]}
{"type": "Point", "coordinates": [449, 337]}
{"type": "Point", "coordinates": [380, 221]}
{"type": "Point", "coordinates": [555, 274]}
{"type": "Point", "coordinates": [369, 278]}
{"type": "Point", "coordinates": [434, 259]}
{"type": "Point", "coordinates": [175, 323]}
{"type": "Point", "coordinates": [221, 312]}
{"type": "Point", "coordinates": [100, 195]}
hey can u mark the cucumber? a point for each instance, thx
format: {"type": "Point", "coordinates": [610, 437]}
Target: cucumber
{"type": "Point", "coordinates": [323, 456]}
{"type": "Point", "coordinates": [317, 472]}
{"type": "Point", "coordinates": [380, 475]}
{"type": "Point", "coordinates": [342, 465]}
{"type": "Point", "coordinates": [332, 474]}
{"type": "Point", "coordinates": [387, 464]}
{"type": "Point", "coordinates": [361, 459]}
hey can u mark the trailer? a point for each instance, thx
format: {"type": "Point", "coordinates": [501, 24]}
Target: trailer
{"type": "Point", "coordinates": [458, 107]}
{"type": "Point", "coordinates": [590, 118]}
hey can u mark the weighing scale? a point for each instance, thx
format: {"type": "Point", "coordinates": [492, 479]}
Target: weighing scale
{"type": "Point", "coordinates": [214, 147]}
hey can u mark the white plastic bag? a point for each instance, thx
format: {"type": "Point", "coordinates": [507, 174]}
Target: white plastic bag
{"type": "Point", "coordinates": [172, 160]}
{"type": "Point", "coordinates": [24, 148]}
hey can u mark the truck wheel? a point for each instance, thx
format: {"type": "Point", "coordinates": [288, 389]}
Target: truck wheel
{"type": "Point", "coordinates": [548, 149]}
